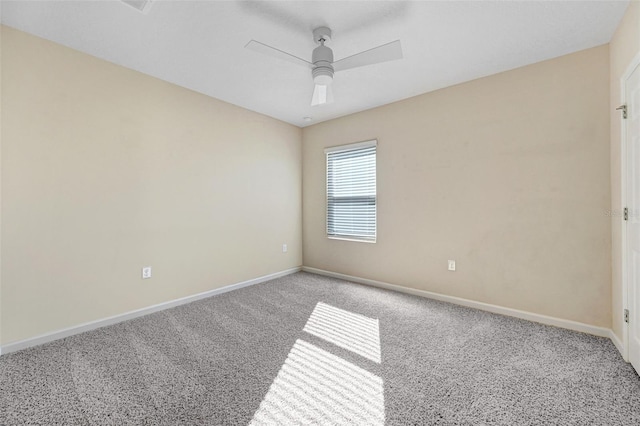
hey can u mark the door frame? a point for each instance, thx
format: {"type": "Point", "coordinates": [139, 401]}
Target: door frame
{"type": "Point", "coordinates": [626, 287]}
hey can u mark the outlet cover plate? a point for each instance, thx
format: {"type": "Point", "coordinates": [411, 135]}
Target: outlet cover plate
{"type": "Point", "coordinates": [146, 272]}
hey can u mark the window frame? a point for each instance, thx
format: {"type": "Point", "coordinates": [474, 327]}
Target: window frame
{"type": "Point", "coordinates": [351, 147]}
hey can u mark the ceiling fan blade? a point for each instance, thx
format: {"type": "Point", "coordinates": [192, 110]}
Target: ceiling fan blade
{"type": "Point", "coordinates": [256, 46]}
{"type": "Point", "coordinates": [322, 95]}
{"type": "Point", "coordinates": [386, 52]}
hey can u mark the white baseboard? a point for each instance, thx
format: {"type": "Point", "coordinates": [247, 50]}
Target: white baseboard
{"type": "Point", "coordinates": [60, 334]}
{"type": "Point", "coordinates": [543, 319]}
{"type": "Point", "coordinates": [617, 343]}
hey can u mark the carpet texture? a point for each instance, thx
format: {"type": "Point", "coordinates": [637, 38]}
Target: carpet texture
{"type": "Point", "coordinates": [306, 349]}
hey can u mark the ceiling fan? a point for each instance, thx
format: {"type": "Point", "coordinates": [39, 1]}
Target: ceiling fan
{"type": "Point", "coordinates": [322, 65]}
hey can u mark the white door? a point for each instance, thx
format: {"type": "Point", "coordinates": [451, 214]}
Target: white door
{"type": "Point", "coordinates": [632, 131]}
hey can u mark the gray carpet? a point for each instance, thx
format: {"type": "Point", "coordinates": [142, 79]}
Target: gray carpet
{"type": "Point", "coordinates": [306, 349]}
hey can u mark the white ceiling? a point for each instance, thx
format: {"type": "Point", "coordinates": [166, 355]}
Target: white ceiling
{"type": "Point", "coordinates": [200, 44]}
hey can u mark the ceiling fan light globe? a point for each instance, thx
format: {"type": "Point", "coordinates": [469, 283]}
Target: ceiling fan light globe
{"type": "Point", "coordinates": [322, 74]}
{"type": "Point", "coordinates": [323, 80]}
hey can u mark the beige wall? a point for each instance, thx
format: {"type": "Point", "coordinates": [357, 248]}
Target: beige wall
{"type": "Point", "coordinates": [624, 45]}
{"type": "Point", "coordinates": [106, 170]}
{"type": "Point", "coordinates": [508, 175]}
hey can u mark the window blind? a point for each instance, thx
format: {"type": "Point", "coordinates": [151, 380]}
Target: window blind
{"type": "Point", "coordinates": [351, 191]}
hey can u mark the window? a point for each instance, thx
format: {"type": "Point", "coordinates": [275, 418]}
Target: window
{"type": "Point", "coordinates": [351, 191]}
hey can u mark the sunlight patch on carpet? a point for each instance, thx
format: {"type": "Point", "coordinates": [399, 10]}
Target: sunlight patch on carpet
{"type": "Point", "coordinates": [354, 332]}
{"type": "Point", "coordinates": [316, 387]}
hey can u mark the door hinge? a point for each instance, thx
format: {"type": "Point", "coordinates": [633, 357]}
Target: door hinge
{"type": "Point", "coordinates": [626, 316]}
{"type": "Point", "coordinates": [624, 111]}
{"type": "Point", "coordinates": [626, 213]}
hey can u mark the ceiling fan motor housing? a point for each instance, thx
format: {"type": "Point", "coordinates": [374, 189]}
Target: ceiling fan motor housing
{"type": "Point", "coordinates": [322, 69]}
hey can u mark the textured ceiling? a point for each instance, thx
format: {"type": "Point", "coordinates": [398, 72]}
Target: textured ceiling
{"type": "Point", "coordinates": [200, 45]}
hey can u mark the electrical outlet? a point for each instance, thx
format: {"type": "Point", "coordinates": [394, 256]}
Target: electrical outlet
{"type": "Point", "coordinates": [146, 272]}
{"type": "Point", "coordinates": [284, 248]}
{"type": "Point", "coordinates": [452, 265]}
